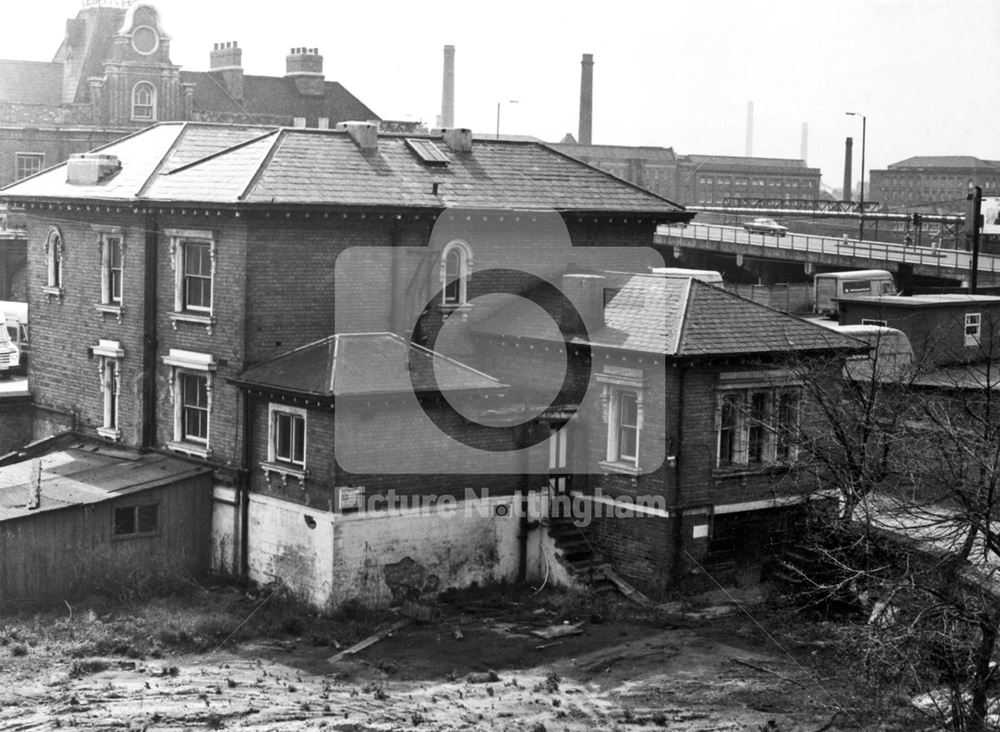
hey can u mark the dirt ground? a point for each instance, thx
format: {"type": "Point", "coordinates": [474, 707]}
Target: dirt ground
{"type": "Point", "coordinates": [480, 665]}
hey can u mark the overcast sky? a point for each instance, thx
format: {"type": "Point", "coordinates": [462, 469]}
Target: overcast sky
{"type": "Point", "coordinates": [673, 73]}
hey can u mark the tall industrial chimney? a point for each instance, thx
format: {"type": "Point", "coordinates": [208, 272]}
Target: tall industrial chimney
{"type": "Point", "coordinates": [586, 98]}
{"type": "Point", "coordinates": [448, 89]}
{"type": "Point", "coordinates": [848, 157]}
{"type": "Point", "coordinates": [749, 129]}
{"type": "Point", "coordinates": [804, 148]}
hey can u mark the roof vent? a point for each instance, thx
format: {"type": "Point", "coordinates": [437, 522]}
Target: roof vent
{"type": "Point", "coordinates": [87, 169]}
{"type": "Point", "coordinates": [364, 134]}
{"type": "Point", "coordinates": [459, 139]}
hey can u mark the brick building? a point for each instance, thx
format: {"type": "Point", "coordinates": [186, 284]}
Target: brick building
{"type": "Point", "coordinates": [702, 179]}
{"type": "Point", "coordinates": [934, 183]}
{"type": "Point", "coordinates": [112, 75]}
{"type": "Point", "coordinates": [688, 447]}
{"type": "Point", "coordinates": [169, 263]}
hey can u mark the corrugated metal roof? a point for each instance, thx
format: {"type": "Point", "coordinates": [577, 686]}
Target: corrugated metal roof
{"type": "Point", "coordinates": [363, 363]}
{"type": "Point", "coordinates": [83, 475]}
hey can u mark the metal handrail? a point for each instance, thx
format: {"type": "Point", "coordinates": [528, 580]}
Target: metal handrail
{"type": "Point", "coordinates": [810, 243]}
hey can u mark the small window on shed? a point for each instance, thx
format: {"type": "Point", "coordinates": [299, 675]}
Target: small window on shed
{"type": "Point", "coordinates": [136, 520]}
{"type": "Point", "coordinates": [973, 323]}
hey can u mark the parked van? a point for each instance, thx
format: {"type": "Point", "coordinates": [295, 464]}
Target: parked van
{"type": "Point", "coordinates": [862, 282]}
{"type": "Point", "coordinates": [14, 317]}
{"type": "Point", "coordinates": [705, 275]}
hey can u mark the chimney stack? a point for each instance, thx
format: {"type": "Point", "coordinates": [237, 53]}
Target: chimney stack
{"type": "Point", "coordinates": [749, 151]}
{"type": "Point", "coordinates": [804, 148]}
{"type": "Point", "coordinates": [448, 89]}
{"type": "Point", "coordinates": [458, 139]}
{"type": "Point", "coordinates": [364, 134]}
{"type": "Point", "coordinates": [586, 98]}
{"type": "Point", "coordinates": [304, 66]}
{"type": "Point", "coordinates": [848, 157]}
{"type": "Point", "coordinates": [227, 59]}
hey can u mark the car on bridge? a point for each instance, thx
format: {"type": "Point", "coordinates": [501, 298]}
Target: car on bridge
{"type": "Point", "coordinates": [765, 226]}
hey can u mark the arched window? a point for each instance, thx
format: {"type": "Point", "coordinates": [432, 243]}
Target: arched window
{"type": "Point", "coordinates": [456, 266]}
{"type": "Point", "coordinates": [54, 259]}
{"type": "Point", "coordinates": [144, 101]}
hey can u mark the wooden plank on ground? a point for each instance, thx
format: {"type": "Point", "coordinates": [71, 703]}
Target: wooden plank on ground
{"type": "Point", "coordinates": [369, 641]}
{"type": "Point", "coordinates": [626, 589]}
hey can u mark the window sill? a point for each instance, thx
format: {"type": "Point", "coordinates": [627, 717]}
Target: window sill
{"type": "Point", "coordinates": [51, 291]}
{"type": "Point", "coordinates": [110, 433]}
{"type": "Point", "coordinates": [621, 468]}
{"type": "Point", "coordinates": [285, 471]}
{"type": "Point", "coordinates": [206, 320]}
{"type": "Point", "coordinates": [460, 309]}
{"type": "Point", "coordinates": [740, 471]}
{"type": "Point", "coordinates": [191, 448]}
{"type": "Point", "coordinates": [109, 309]}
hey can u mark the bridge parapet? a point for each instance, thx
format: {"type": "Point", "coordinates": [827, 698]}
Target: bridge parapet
{"type": "Point", "coordinates": [841, 252]}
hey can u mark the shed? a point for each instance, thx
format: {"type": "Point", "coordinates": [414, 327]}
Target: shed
{"type": "Point", "coordinates": [89, 516]}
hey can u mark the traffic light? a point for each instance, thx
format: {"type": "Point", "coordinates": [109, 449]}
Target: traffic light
{"type": "Point", "coordinates": [917, 220]}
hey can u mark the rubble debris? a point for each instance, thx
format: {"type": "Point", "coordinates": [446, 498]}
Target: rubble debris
{"type": "Point", "coordinates": [559, 631]}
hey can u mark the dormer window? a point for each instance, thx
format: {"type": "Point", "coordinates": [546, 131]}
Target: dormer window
{"type": "Point", "coordinates": [144, 101]}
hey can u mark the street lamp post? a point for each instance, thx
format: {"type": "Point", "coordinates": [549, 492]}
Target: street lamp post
{"type": "Point", "coordinates": [509, 101]}
{"type": "Point", "coordinates": [861, 216]}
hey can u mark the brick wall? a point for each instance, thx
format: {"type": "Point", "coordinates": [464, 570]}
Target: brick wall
{"type": "Point", "coordinates": [15, 422]}
{"type": "Point", "coordinates": [63, 373]}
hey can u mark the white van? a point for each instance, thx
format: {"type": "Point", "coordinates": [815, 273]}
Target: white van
{"type": "Point", "coordinates": [862, 282]}
{"type": "Point", "coordinates": [13, 336]}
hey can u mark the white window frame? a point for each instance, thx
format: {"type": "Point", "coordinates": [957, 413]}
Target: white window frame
{"type": "Point", "coordinates": [464, 253]}
{"type": "Point", "coordinates": [139, 108]}
{"type": "Point", "coordinates": [179, 238]}
{"type": "Point", "coordinates": [278, 466]}
{"type": "Point", "coordinates": [739, 390]}
{"type": "Point", "coordinates": [184, 364]}
{"type": "Point", "coordinates": [973, 329]}
{"type": "Point", "coordinates": [106, 236]}
{"type": "Point", "coordinates": [21, 157]}
{"type": "Point", "coordinates": [55, 254]}
{"type": "Point", "coordinates": [110, 355]}
{"type": "Point", "coordinates": [616, 383]}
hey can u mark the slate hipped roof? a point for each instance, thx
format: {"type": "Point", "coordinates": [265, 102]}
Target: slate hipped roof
{"type": "Point", "coordinates": [269, 96]}
{"type": "Point", "coordinates": [944, 161]}
{"type": "Point", "coordinates": [206, 164]}
{"type": "Point", "coordinates": [354, 364]}
{"type": "Point", "coordinates": [680, 317]}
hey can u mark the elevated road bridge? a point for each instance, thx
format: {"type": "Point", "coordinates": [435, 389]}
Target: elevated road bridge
{"type": "Point", "coordinates": [828, 252]}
